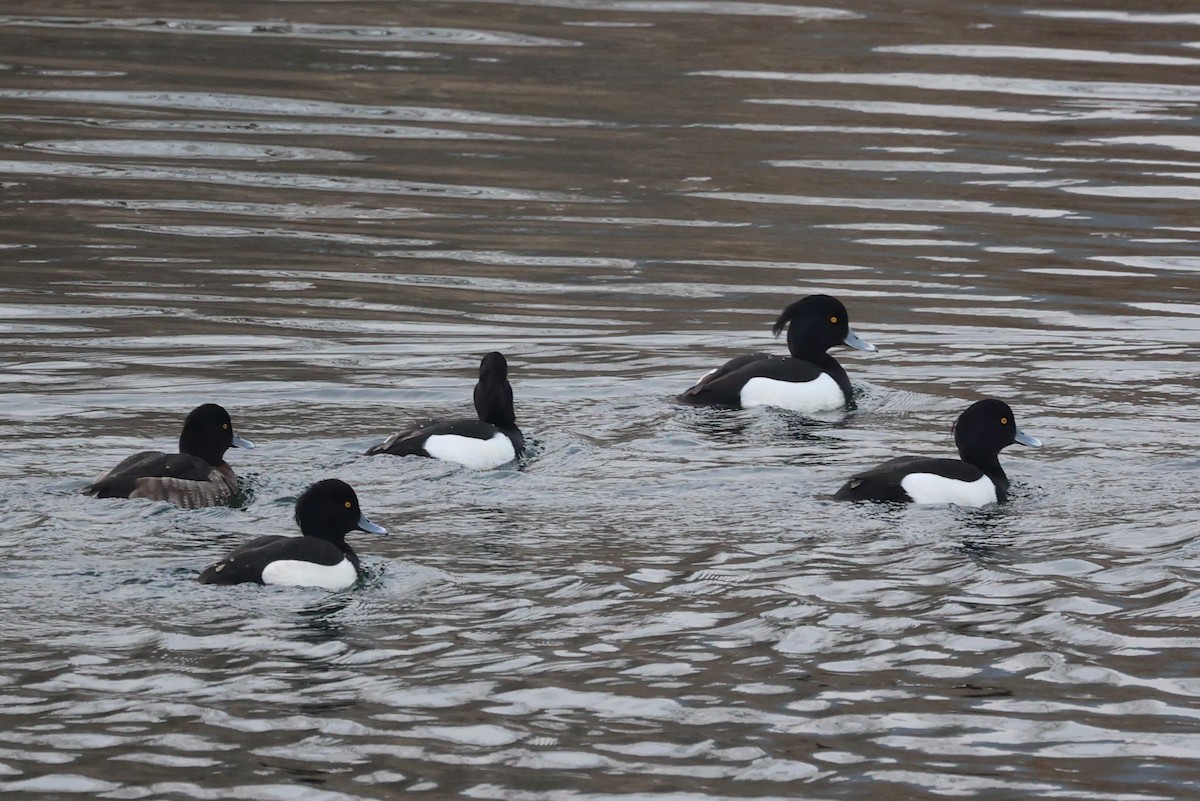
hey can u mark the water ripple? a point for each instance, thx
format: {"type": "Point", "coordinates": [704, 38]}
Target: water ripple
{"type": "Point", "coordinates": [717, 7]}
{"type": "Point", "coordinates": [266, 30]}
{"type": "Point", "coordinates": [188, 150]}
{"type": "Point", "coordinates": [296, 181]}
{"type": "Point", "coordinates": [280, 106]}
{"type": "Point", "coordinates": [957, 82]}
{"type": "Point", "coordinates": [1038, 53]}
{"type": "Point", "coordinates": [915, 205]}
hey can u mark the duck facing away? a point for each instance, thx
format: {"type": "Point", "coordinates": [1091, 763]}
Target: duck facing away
{"type": "Point", "coordinates": [320, 557]}
{"type": "Point", "coordinates": [808, 380]}
{"type": "Point", "coordinates": [197, 476]}
{"type": "Point", "coordinates": [981, 432]}
{"type": "Point", "coordinates": [489, 441]}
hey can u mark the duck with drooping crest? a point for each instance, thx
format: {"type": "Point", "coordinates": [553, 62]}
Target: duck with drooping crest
{"type": "Point", "coordinates": [807, 380]}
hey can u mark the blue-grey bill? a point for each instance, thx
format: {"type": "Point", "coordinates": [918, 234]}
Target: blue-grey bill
{"type": "Point", "coordinates": [858, 343]}
{"type": "Point", "coordinates": [1025, 439]}
{"type": "Point", "coordinates": [365, 524]}
{"type": "Point", "coordinates": [238, 442]}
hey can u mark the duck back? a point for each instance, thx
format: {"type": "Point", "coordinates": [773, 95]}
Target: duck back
{"type": "Point", "coordinates": [185, 480]}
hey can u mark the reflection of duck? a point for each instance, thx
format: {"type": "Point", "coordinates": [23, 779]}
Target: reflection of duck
{"type": "Point", "coordinates": [321, 557]}
{"type": "Point", "coordinates": [981, 432]}
{"type": "Point", "coordinates": [196, 476]}
{"type": "Point", "coordinates": [489, 441]}
{"type": "Point", "coordinates": [809, 380]}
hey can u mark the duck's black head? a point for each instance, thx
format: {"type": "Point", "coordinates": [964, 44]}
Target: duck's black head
{"type": "Point", "coordinates": [493, 393]}
{"type": "Point", "coordinates": [329, 510]}
{"type": "Point", "coordinates": [815, 324]}
{"type": "Point", "coordinates": [208, 433]}
{"type": "Point", "coordinates": [986, 428]}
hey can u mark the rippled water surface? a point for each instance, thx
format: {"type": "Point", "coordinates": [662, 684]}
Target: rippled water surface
{"type": "Point", "coordinates": [320, 215]}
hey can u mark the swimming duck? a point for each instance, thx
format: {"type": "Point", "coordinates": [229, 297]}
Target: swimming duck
{"type": "Point", "coordinates": [809, 380]}
{"type": "Point", "coordinates": [197, 476]}
{"type": "Point", "coordinates": [981, 432]}
{"type": "Point", "coordinates": [320, 557]}
{"type": "Point", "coordinates": [489, 441]}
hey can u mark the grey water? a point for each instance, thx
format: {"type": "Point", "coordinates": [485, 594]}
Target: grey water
{"type": "Point", "coordinates": [321, 214]}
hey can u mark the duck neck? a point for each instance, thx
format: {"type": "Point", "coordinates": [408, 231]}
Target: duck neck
{"type": "Point", "coordinates": [350, 555]}
{"type": "Point", "coordinates": [989, 463]}
{"type": "Point", "coordinates": [494, 404]}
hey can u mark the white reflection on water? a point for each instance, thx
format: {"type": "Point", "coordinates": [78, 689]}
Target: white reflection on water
{"type": "Point", "coordinates": [188, 150]}
{"type": "Point", "coordinates": [886, 165]}
{"type": "Point", "coordinates": [277, 180]}
{"type": "Point", "coordinates": [957, 82]}
{"type": "Point", "coordinates": [271, 29]}
{"type": "Point", "coordinates": [916, 205]}
{"type": "Point", "coordinates": [283, 106]}
{"type": "Point", "coordinates": [1039, 53]}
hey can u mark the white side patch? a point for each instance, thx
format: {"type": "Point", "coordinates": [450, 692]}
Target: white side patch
{"type": "Point", "coordinates": [822, 394]}
{"type": "Point", "coordinates": [296, 573]}
{"type": "Point", "coordinates": [477, 454]}
{"type": "Point", "coordinates": [932, 488]}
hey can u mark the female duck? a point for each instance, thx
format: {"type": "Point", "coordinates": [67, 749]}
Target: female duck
{"type": "Point", "coordinates": [196, 476]}
{"type": "Point", "coordinates": [982, 431]}
{"type": "Point", "coordinates": [489, 441]}
{"type": "Point", "coordinates": [809, 380]}
{"type": "Point", "coordinates": [326, 512]}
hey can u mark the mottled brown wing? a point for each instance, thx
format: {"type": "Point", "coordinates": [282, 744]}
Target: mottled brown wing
{"type": "Point", "coordinates": [215, 489]}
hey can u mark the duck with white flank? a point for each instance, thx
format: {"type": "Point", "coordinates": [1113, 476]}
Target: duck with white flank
{"type": "Point", "coordinates": [809, 380]}
{"type": "Point", "coordinates": [320, 557]}
{"type": "Point", "coordinates": [982, 431]}
{"type": "Point", "coordinates": [490, 440]}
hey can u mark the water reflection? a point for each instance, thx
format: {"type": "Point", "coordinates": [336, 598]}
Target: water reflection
{"type": "Point", "coordinates": [294, 181]}
{"type": "Point", "coordinates": [267, 30]}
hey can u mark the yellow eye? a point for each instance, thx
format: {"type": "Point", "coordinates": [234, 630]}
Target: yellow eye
{"type": "Point", "coordinates": [1003, 421]}
{"type": "Point", "coordinates": [348, 504]}
{"type": "Point", "coordinates": [833, 319]}
{"type": "Point", "coordinates": [224, 425]}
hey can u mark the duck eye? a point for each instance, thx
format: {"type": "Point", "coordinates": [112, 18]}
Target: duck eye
{"type": "Point", "coordinates": [833, 319]}
{"type": "Point", "coordinates": [1003, 421]}
{"type": "Point", "coordinates": [224, 425]}
{"type": "Point", "coordinates": [348, 504]}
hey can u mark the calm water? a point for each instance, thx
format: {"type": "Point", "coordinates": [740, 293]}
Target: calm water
{"type": "Point", "coordinates": [320, 214]}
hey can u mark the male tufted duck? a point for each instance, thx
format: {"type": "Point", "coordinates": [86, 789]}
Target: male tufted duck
{"type": "Point", "coordinates": [981, 432]}
{"type": "Point", "coordinates": [326, 512]}
{"type": "Point", "coordinates": [489, 441]}
{"type": "Point", "coordinates": [809, 380]}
